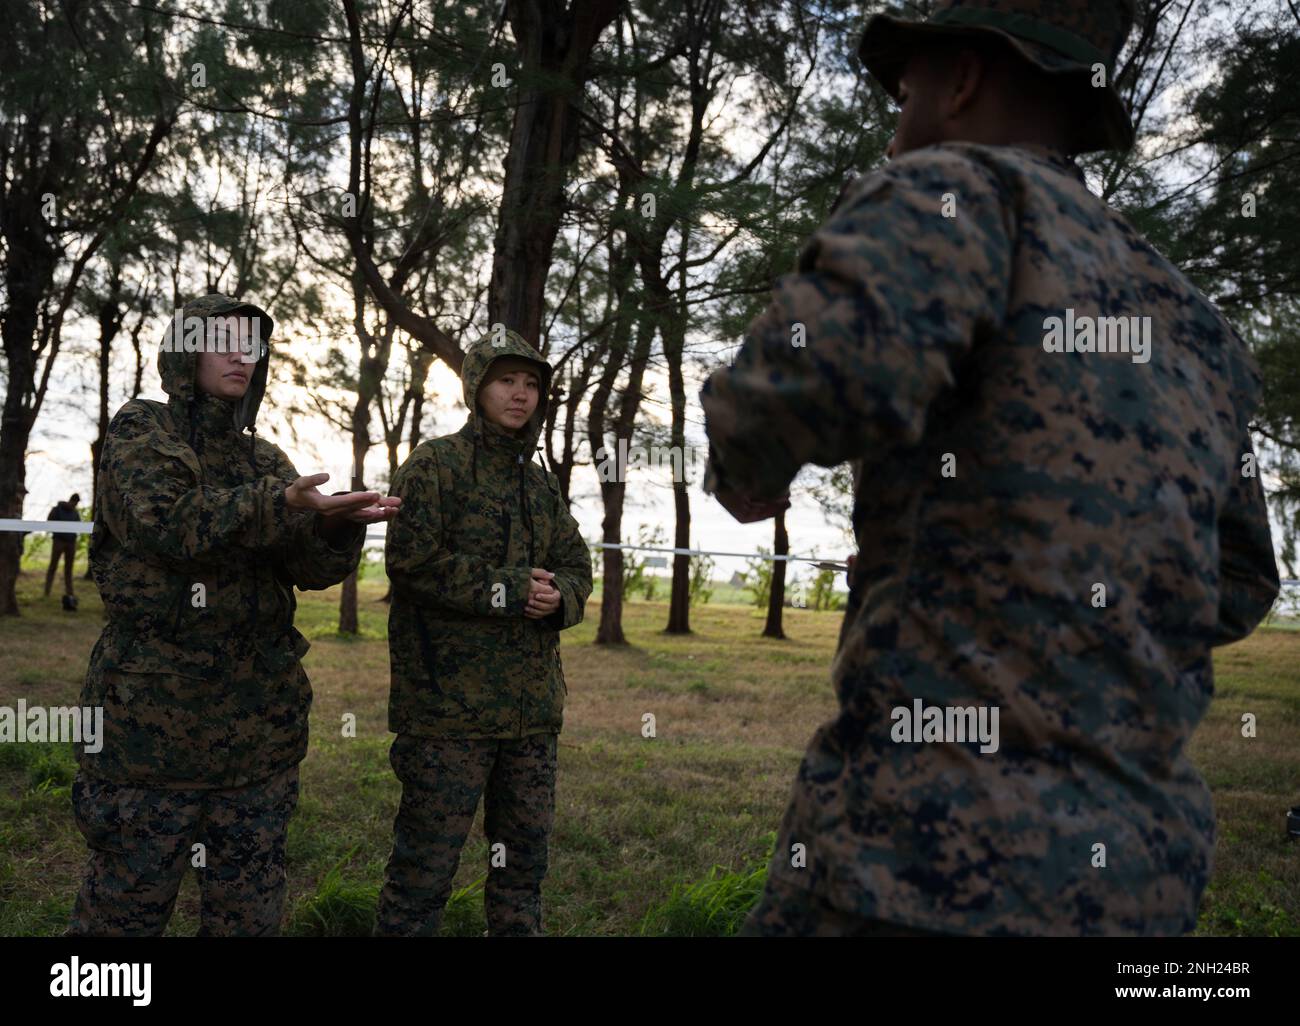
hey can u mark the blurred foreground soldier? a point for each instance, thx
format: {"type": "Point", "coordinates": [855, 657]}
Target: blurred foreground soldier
{"type": "Point", "coordinates": [201, 534]}
{"type": "Point", "coordinates": [63, 544]}
{"type": "Point", "coordinates": [1059, 511]}
{"type": "Point", "coordinates": [487, 566]}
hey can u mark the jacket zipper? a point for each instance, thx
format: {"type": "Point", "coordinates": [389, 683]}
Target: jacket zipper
{"type": "Point", "coordinates": [426, 649]}
{"type": "Point", "coordinates": [180, 609]}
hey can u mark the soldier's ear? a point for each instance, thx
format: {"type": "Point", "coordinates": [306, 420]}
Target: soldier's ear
{"type": "Point", "coordinates": [966, 75]}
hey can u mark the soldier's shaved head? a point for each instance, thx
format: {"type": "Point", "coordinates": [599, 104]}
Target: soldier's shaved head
{"type": "Point", "coordinates": [962, 90]}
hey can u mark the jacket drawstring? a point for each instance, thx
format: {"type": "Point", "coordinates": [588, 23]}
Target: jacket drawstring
{"type": "Point", "coordinates": [528, 517]}
{"type": "Point", "coordinates": [252, 458]}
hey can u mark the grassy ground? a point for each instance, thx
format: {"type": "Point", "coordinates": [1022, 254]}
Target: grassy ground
{"type": "Point", "coordinates": [662, 836]}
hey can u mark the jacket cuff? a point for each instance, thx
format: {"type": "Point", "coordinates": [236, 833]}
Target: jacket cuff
{"type": "Point", "coordinates": [341, 541]}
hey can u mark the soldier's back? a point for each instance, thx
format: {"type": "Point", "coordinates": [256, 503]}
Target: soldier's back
{"type": "Point", "coordinates": [1046, 548]}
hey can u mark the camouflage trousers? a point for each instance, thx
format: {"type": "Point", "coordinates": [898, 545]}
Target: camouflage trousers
{"type": "Point", "coordinates": [789, 911]}
{"type": "Point", "coordinates": [143, 840]}
{"type": "Point", "coordinates": [441, 783]}
{"type": "Point", "coordinates": [65, 548]}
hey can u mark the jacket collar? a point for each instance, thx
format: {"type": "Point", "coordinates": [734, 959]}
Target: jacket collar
{"type": "Point", "coordinates": [495, 442]}
{"type": "Point", "coordinates": [1056, 158]}
{"type": "Point", "coordinates": [213, 417]}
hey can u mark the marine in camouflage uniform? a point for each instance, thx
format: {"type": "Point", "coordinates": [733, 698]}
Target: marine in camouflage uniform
{"type": "Point", "coordinates": [198, 668]}
{"type": "Point", "coordinates": [478, 690]}
{"type": "Point", "coordinates": [925, 339]}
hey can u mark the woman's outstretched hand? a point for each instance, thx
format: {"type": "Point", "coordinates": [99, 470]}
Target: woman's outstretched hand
{"type": "Point", "coordinates": [353, 507]}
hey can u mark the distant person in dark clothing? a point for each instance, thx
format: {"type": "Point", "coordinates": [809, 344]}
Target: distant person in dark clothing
{"type": "Point", "coordinates": [65, 544]}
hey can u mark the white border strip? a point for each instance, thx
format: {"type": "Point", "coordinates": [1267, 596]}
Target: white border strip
{"type": "Point", "coordinates": [85, 527]}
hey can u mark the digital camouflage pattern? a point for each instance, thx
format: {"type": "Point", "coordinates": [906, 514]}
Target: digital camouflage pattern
{"type": "Point", "coordinates": [477, 694]}
{"type": "Point", "coordinates": [477, 516]}
{"type": "Point", "coordinates": [142, 844]}
{"type": "Point", "coordinates": [196, 557]}
{"type": "Point", "coordinates": [442, 780]}
{"type": "Point", "coordinates": [925, 337]}
{"type": "Point", "coordinates": [789, 911]}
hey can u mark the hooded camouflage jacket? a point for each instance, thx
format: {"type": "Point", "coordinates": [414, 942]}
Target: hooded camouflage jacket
{"type": "Point", "coordinates": [196, 557]}
{"type": "Point", "coordinates": [1056, 534]}
{"type": "Point", "coordinates": [477, 516]}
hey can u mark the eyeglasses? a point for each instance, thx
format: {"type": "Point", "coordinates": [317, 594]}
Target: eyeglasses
{"type": "Point", "coordinates": [246, 339]}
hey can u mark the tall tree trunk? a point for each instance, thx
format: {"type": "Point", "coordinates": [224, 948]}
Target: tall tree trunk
{"type": "Point", "coordinates": [13, 489]}
{"type": "Point", "coordinates": [418, 360]}
{"type": "Point", "coordinates": [563, 469]}
{"type": "Point", "coordinates": [612, 486]}
{"type": "Point", "coordinates": [612, 490]}
{"type": "Point", "coordinates": [375, 350]}
{"type": "Point", "coordinates": [45, 152]}
{"type": "Point", "coordinates": [110, 322]}
{"type": "Point", "coordinates": [776, 600]}
{"type": "Point", "coordinates": [555, 40]}
{"type": "Point", "coordinates": [612, 524]}
{"type": "Point", "coordinates": [679, 607]}
{"type": "Point", "coordinates": [27, 276]}
{"type": "Point", "coordinates": [348, 620]}
{"type": "Point", "coordinates": [137, 384]}
{"type": "Point", "coordinates": [420, 363]}
{"type": "Point", "coordinates": [610, 630]}
{"type": "Point", "coordinates": [567, 394]}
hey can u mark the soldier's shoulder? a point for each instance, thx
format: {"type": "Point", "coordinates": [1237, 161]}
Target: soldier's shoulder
{"type": "Point", "coordinates": [267, 449]}
{"type": "Point", "coordinates": [927, 179]}
{"type": "Point", "coordinates": [452, 441]}
{"type": "Point", "coordinates": [1244, 377]}
{"type": "Point", "coordinates": [965, 165]}
{"type": "Point", "coordinates": [137, 417]}
{"type": "Point", "coordinates": [1012, 166]}
{"type": "Point", "coordinates": [435, 450]}
{"type": "Point", "coordinates": [423, 459]}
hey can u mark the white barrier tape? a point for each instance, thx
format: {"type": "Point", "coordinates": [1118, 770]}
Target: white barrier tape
{"type": "Point", "coordinates": [833, 564]}
{"type": "Point", "coordinates": [85, 527]}
{"type": "Point", "coordinates": [61, 526]}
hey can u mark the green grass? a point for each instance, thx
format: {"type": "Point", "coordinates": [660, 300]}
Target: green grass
{"type": "Point", "coordinates": [653, 836]}
{"type": "Point", "coordinates": [713, 907]}
{"type": "Point", "coordinates": [337, 908]}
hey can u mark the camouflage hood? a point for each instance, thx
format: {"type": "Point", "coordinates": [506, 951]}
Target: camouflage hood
{"type": "Point", "coordinates": [473, 371]}
{"type": "Point", "coordinates": [478, 515]}
{"type": "Point", "coordinates": [196, 556]}
{"type": "Point", "coordinates": [178, 368]}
